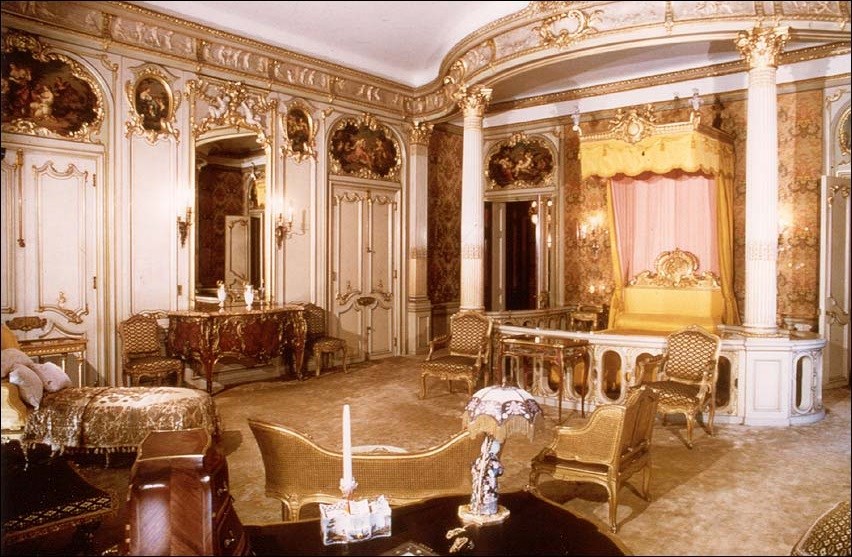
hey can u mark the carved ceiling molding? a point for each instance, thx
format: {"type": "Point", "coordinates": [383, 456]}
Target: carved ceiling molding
{"type": "Point", "coordinates": [542, 30]}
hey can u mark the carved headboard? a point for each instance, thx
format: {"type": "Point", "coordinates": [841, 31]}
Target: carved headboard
{"type": "Point", "coordinates": [676, 269]}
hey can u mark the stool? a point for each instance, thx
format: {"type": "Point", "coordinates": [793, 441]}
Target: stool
{"type": "Point", "coordinates": [44, 494]}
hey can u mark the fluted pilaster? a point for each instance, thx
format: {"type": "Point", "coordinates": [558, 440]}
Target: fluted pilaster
{"type": "Point", "coordinates": [419, 307]}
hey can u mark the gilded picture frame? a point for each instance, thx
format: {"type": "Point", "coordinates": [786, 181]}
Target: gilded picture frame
{"type": "Point", "coordinates": [299, 132]}
{"type": "Point", "coordinates": [520, 162]}
{"type": "Point", "coordinates": [364, 148]}
{"type": "Point", "coordinates": [46, 93]}
{"type": "Point", "coordinates": [152, 105]}
{"type": "Point", "coordinates": [844, 127]}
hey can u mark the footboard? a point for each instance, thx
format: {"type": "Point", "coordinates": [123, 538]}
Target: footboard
{"type": "Point", "coordinates": [298, 471]}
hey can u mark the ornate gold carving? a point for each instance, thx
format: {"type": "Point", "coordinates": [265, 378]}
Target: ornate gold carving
{"type": "Point", "coordinates": [152, 104]}
{"type": "Point", "coordinates": [566, 28]}
{"type": "Point", "coordinates": [231, 105]}
{"type": "Point", "coordinates": [843, 132]}
{"type": "Point", "coordinates": [761, 47]}
{"type": "Point", "coordinates": [472, 100]}
{"type": "Point", "coordinates": [299, 132]}
{"type": "Point", "coordinates": [26, 323]}
{"type": "Point", "coordinates": [40, 117]}
{"type": "Point", "coordinates": [676, 269]}
{"type": "Point", "coordinates": [419, 132]}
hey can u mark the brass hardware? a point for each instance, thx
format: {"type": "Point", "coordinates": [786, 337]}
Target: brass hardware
{"type": "Point", "coordinates": [183, 226]}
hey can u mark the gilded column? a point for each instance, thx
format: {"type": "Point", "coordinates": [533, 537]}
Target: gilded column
{"type": "Point", "coordinates": [419, 306]}
{"type": "Point", "coordinates": [761, 48]}
{"type": "Point", "coordinates": [472, 102]}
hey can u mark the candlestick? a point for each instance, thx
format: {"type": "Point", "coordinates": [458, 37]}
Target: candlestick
{"type": "Point", "coordinates": [346, 484]}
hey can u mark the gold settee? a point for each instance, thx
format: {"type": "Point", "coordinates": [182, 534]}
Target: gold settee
{"type": "Point", "coordinates": [298, 471]}
{"type": "Point", "coordinates": [101, 419]}
{"type": "Point", "coordinates": [673, 296]}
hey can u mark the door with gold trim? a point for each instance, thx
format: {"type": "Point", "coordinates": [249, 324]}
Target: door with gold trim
{"type": "Point", "coordinates": [365, 240]}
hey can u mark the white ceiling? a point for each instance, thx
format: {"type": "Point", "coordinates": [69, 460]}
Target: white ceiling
{"type": "Point", "coordinates": [401, 41]}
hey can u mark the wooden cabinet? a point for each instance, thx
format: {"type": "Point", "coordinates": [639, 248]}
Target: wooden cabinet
{"type": "Point", "coordinates": [178, 500]}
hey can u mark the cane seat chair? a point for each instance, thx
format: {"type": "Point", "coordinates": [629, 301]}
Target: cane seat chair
{"type": "Point", "coordinates": [461, 354]}
{"type": "Point", "coordinates": [611, 446]}
{"type": "Point", "coordinates": [143, 350]}
{"type": "Point", "coordinates": [686, 376]}
{"type": "Point", "coordinates": [318, 342]}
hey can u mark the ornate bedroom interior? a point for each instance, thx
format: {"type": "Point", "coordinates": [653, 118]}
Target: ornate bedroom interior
{"type": "Point", "coordinates": [590, 173]}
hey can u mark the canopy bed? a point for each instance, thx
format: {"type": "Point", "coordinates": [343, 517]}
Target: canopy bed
{"type": "Point", "coordinates": [669, 216]}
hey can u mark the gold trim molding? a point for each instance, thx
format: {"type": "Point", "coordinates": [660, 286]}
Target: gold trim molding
{"type": "Point", "coordinates": [230, 104]}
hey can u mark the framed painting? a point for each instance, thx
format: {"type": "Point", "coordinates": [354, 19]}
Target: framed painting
{"type": "Point", "coordinates": [364, 148]}
{"type": "Point", "coordinates": [152, 104]}
{"type": "Point", "coordinates": [299, 132]}
{"type": "Point", "coordinates": [520, 162]}
{"type": "Point", "coordinates": [47, 93]}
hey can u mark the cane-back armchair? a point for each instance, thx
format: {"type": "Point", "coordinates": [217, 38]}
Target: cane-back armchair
{"type": "Point", "coordinates": [685, 376]}
{"type": "Point", "coordinates": [143, 351]}
{"type": "Point", "coordinates": [612, 445]}
{"type": "Point", "coordinates": [461, 354]}
{"type": "Point", "coordinates": [318, 342]}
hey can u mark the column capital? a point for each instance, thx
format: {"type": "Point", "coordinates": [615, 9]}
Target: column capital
{"type": "Point", "coordinates": [472, 100]}
{"type": "Point", "coordinates": [419, 133]}
{"type": "Point", "coordinates": [761, 47]}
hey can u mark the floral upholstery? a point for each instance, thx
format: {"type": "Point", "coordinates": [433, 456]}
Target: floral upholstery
{"type": "Point", "coordinates": [469, 346]}
{"type": "Point", "coordinates": [829, 535]}
{"type": "Point", "coordinates": [143, 350]}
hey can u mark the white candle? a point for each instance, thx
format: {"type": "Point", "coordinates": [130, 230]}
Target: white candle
{"type": "Point", "coordinates": [347, 448]}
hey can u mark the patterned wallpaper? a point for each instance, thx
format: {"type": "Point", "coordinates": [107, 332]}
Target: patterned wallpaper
{"type": "Point", "coordinates": [799, 160]}
{"type": "Point", "coordinates": [220, 193]}
{"type": "Point", "coordinates": [445, 171]}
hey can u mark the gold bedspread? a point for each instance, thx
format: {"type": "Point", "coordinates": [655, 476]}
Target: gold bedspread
{"type": "Point", "coordinates": [111, 419]}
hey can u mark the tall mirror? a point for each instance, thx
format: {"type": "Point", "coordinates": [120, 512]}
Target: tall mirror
{"type": "Point", "coordinates": [231, 200]}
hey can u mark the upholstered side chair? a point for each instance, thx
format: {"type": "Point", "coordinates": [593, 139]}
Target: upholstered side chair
{"type": "Point", "coordinates": [612, 445]}
{"type": "Point", "coordinates": [318, 342]}
{"type": "Point", "coordinates": [143, 350]}
{"type": "Point", "coordinates": [685, 376]}
{"type": "Point", "coordinates": [461, 354]}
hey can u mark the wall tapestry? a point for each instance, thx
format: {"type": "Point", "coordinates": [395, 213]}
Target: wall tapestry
{"type": "Point", "coordinates": [363, 148]}
{"type": "Point", "coordinates": [520, 162]}
{"type": "Point", "coordinates": [46, 93]}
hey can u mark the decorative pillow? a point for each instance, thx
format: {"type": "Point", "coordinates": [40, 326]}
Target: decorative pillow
{"type": "Point", "coordinates": [52, 376]}
{"type": "Point", "coordinates": [11, 357]}
{"type": "Point", "coordinates": [29, 383]}
{"type": "Point", "coordinates": [829, 535]}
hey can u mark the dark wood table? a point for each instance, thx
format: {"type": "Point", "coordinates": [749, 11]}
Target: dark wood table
{"type": "Point", "coordinates": [534, 527]}
{"type": "Point", "coordinates": [251, 335]}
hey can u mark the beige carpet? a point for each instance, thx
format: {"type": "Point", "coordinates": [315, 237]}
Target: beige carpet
{"type": "Point", "coordinates": [746, 491]}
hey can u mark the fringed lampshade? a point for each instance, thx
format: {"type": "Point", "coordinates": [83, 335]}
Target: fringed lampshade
{"type": "Point", "coordinates": [501, 411]}
{"type": "Point", "coordinates": [498, 412]}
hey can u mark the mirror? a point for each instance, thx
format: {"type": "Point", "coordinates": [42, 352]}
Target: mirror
{"type": "Point", "coordinates": [231, 200]}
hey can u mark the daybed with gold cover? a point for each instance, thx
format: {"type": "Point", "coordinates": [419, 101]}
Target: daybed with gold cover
{"type": "Point", "coordinates": [40, 407]}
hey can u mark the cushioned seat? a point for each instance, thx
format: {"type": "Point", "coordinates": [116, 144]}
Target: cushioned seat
{"type": "Point", "coordinates": [318, 342]}
{"type": "Point", "coordinates": [829, 535]}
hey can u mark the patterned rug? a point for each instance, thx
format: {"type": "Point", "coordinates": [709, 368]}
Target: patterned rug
{"type": "Point", "coordinates": [746, 491]}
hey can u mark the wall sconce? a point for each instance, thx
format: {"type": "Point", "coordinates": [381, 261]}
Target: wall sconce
{"type": "Point", "coordinates": [284, 227]}
{"type": "Point", "coordinates": [183, 224]}
{"type": "Point", "coordinates": [591, 236]}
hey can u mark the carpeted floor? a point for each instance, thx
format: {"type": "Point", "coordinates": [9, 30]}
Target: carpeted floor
{"type": "Point", "coordinates": [746, 491]}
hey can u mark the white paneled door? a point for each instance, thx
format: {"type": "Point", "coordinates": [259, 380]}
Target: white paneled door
{"type": "Point", "coordinates": [365, 240]}
{"type": "Point", "coordinates": [50, 269]}
{"type": "Point", "coordinates": [835, 326]}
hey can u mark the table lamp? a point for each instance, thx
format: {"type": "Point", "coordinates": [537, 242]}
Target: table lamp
{"type": "Point", "coordinates": [497, 411]}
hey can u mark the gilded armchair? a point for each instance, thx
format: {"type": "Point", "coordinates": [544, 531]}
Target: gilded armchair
{"type": "Point", "coordinates": [686, 376]}
{"type": "Point", "coordinates": [609, 448]}
{"type": "Point", "coordinates": [469, 346]}
{"type": "Point", "coordinates": [143, 352]}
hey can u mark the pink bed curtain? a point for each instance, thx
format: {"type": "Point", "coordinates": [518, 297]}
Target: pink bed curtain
{"type": "Point", "coordinates": [656, 213]}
